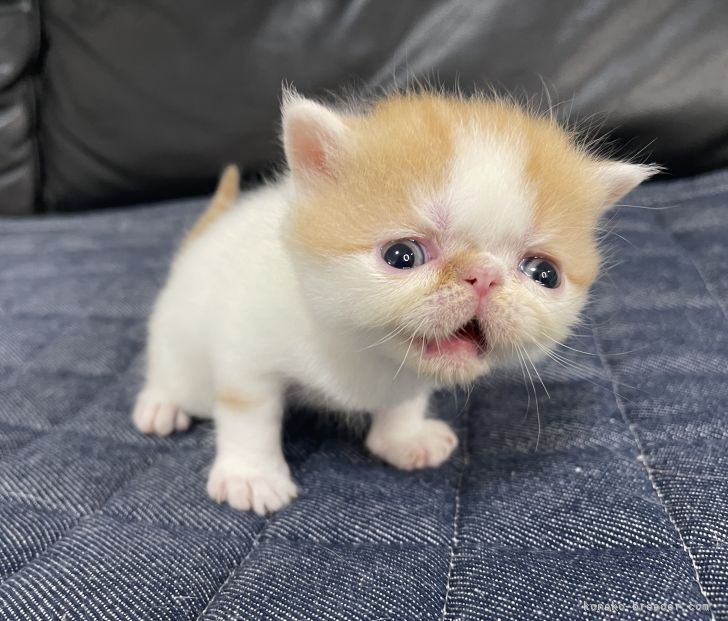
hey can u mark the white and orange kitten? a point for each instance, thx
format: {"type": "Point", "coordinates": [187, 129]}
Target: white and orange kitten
{"type": "Point", "coordinates": [417, 244]}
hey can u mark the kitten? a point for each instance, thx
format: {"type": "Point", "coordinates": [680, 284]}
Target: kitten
{"type": "Point", "coordinates": [417, 244]}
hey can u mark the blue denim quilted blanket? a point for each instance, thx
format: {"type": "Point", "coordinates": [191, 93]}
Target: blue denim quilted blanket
{"type": "Point", "coordinates": [612, 504]}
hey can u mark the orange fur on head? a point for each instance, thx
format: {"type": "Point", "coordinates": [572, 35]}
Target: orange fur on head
{"type": "Point", "coordinates": [405, 145]}
{"type": "Point", "coordinates": [486, 184]}
{"type": "Point", "coordinates": [387, 154]}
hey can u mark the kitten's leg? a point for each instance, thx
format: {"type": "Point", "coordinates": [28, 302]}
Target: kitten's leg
{"type": "Point", "coordinates": [156, 413]}
{"type": "Point", "coordinates": [176, 387]}
{"type": "Point", "coordinates": [250, 471]}
{"type": "Point", "coordinates": [405, 438]}
{"type": "Point", "coordinates": [176, 379]}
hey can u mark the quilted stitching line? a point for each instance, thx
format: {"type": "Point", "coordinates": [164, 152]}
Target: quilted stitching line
{"type": "Point", "coordinates": [708, 287]}
{"type": "Point", "coordinates": [236, 568]}
{"type": "Point", "coordinates": [61, 428]}
{"type": "Point", "coordinates": [456, 517]}
{"type": "Point", "coordinates": [650, 475]}
{"type": "Point", "coordinates": [42, 433]}
{"type": "Point", "coordinates": [85, 518]}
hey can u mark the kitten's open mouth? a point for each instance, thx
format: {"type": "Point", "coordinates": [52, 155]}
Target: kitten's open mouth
{"type": "Point", "coordinates": [467, 341]}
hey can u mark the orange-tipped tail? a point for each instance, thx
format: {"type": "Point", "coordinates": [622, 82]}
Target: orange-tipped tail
{"type": "Point", "coordinates": [225, 196]}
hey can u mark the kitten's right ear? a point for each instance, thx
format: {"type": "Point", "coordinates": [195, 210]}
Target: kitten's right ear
{"type": "Point", "coordinates": [620, 178]}
{"type": "Point", "coordinates": [313, 138]}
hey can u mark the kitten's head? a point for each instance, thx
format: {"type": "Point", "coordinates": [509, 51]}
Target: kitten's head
{"type": "Point", "coordinates": [456, 234]}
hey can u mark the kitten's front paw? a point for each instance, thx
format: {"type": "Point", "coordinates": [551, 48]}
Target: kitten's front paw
{"type": "Point", "coordinates": [153, 414]}
{"type": "Point", "coordinates": [427, 446]}
{"type": "Point", "coordinates": [245, 488]}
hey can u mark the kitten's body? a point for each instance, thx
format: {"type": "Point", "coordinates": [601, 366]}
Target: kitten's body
{"type": "Point", "coordinates": [216, 325]}
{"type": "Point", "coordinates": [300, 286]}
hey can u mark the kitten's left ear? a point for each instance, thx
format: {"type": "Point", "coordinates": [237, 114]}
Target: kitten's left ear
{"type": "Point", "coordinates": [313, 138]}
{"type": "Point", "coordinates": [619, 178]}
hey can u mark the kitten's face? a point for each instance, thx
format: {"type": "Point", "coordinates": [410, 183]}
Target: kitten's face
{"type": "Point", "coordinates": [455, 236]}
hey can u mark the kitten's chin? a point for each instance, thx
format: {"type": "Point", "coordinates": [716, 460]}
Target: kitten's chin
{"type": "Point", "coordinates": [459, 358]}
{"type": "Point", "coordinates": [449, 370]}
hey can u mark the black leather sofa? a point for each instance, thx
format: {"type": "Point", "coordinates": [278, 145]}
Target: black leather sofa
{"type": "Point", "coordinates": [116, 103]}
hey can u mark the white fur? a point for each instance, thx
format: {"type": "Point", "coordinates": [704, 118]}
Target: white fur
{"type": "Point", "coordinates": [232, 318]}
{"type": "Point", "coordinates": [487, 196]}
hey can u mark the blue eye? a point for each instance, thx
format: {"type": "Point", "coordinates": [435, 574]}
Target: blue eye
{"type": "Point", "coordinates": [404, 254]}
{"type": "Point", "coordinates": [542, 271]}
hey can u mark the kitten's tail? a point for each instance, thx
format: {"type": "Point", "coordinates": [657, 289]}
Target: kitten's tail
{"type": "Point", "coordinates": [225, 196]}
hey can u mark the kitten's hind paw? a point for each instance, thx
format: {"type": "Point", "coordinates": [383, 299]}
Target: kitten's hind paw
{"type": "Point", "coordinates": [154, 415]}
{"type": "Point", "coordinates": [250, 490]}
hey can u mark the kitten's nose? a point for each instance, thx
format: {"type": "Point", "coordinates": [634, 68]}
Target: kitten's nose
{"type": "Point", "coordinates": [483, 280]}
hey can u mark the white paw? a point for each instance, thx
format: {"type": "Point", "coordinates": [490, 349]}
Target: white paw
{"type": "Point", "coordinates": [155, 415]}
{"type": "Point", "coordinates": [425, 447]}
{"type": "Point", "coordinates": [245, 488]}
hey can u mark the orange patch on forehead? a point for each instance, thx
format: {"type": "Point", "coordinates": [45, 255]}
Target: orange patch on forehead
{"type": "Point", "coordinates": [403, 146]}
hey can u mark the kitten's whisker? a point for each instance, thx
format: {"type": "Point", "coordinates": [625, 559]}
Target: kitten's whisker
{"type": "Point", "coordinates": [618, 383]}
{"type": "Point", "coordinates": [622, 237]}
{"type": "Point", "coordinates": [589, 353]}
{"type": "Point", "coordinates": [471, 387]}
{"type": "Point", "coordinates": [384, 339]}
{"type": "Point", "coordinates": [412, 340]}
{"type": "Point", "coordinates": [537, 373]}
{"type": "Point", "coordinates": [555, 342]}
{"type": "Point", "coordinates": [525, 383]}
{"type": "Point", "coordinates": [565, 361]}
{"type": "Point", "coordinates": [422, 355]}
{"type": "Point", "coordinates": [570, 365]}
{"type": "Point", "coordinates": [535, 396]}
{"type": "Point", "coordinates": [646, 207]}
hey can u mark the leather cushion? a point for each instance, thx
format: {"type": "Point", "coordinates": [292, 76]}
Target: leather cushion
{"type": "Point", "coordinates": [149, 100]}
{"type": "Point", "coordinates": [19, 42]}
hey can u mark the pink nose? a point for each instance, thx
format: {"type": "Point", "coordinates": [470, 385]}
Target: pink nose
{"type": "Point", "coordinates": [482, 280]}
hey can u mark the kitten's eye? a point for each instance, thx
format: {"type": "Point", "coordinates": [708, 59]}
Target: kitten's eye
{"type": "Point", "coordinates": [542, 271]}
{"type": "Point", "coordinates": [404, 254]}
